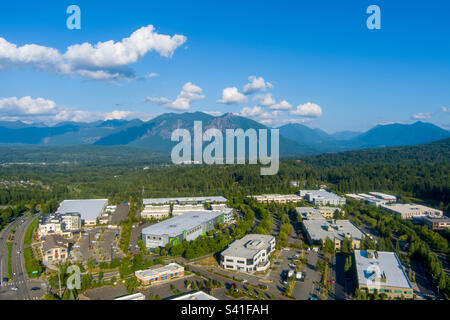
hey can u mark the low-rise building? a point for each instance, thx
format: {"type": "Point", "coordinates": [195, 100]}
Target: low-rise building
{"type": "Point", "coordinates": [54, 249]}
{"type": "Point", "coordinates": [228, 213]}
{"type": "Point", "coordinates": [90, 210]}
{"type": "Point", "coordinates": [434, 223]}
{"type": "Point", "coordinates": [408, 211]}
{"type": "Point", "coordinates": [156, 274]}
{"type": "Point", "coordinates": [156, 212]}
{"type": "Point", "coordinates": [179, 209]}
{"type": "Point", "coordinates": [384, 196]}
{"type": "Point", "coordinates": [277, 198]}
{"type": "Point", "coordinates": [49, 224]}
{"type": "Point", "coordinates": [317, 213]}
{"type": "Point", "coordinates": [184, 200]}
{"type": "Point", "coordinates": [249, 254]}
{"type": "Point", "coordinates": [382, 273]}
{"type": "Point", "coordinates": [318, 230]}
{"type": "Point", "coordinates": [322, 197]}
{"type": "Point", "coordinates": [187, 226]}
{"type": "Point", "coordinates": [199, 295]}
{"type": "Point", "coordinates": [71, 221]}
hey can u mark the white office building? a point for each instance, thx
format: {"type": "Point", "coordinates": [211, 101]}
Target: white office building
{"type": "Point", "coordinates": [155, 212]}
{"type": "Point", "coordinates": [322, 197]}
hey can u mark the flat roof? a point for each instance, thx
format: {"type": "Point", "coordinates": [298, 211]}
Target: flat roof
{"type": "Point", "coordinates": [408, 208]}
{"type": "Point", "coordinates": [309, 213]}
{"type": "Point", "coordinates": [177, 225]}
{"type": "Point", "coordinates": [199, 295]}
{"type": "Point", "coordinates": [183, 200]}
{"type": "Point", "coordinates": [317, 229]}
{"type": "Point", "coordinates": [322, 193]}
{"type": "Point", "coordinates": [388, 265]}
{"type": "Point", "coordinates": [248, 246]}
{"type": "Point", "coordinates": [89, 209]}
{"type": "Point", "coordinates": [153, 272]}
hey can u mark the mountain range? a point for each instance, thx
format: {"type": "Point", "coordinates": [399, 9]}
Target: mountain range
{"type": "Point", "coordinates": [155, 134]}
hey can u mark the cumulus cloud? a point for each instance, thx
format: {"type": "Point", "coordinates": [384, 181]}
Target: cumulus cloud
{"type": "Point", "coordinates": [251, 112]}
{"type": "Point", "coordinates": [152, 75]}
{"type": "Point", "coordinates": [282, 105]}
{"type": "Point", "coordinates": [422, 115]}
{"type": "Point", "coordinates": [189, 93]}
{"type": "Point", "coordinates": [107, 60]}
{"type": "Point", "coordinates": [265, 99]}
{"type": "Point", "coordinates": [307, 110]}
{"type": "Point", "coordinates": [256, 85]}
{"type": "Point", "coordinates": [445, 109]}
{"type": "Point", "coordinates": [34, 110]}
{"type": "Point", "coordinates": [232, 96]}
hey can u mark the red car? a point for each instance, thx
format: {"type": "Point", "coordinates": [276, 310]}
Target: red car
{"type": "Point", "coordinates": [330, 281]}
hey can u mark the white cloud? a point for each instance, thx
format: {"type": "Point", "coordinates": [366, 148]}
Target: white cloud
{"type": "Point", "coordinates": [152, 75]}
{"type": "Point", "coordinates": [213, 113]}
{"type": "Point", "coordinates": [282, 105]}
{"type": "Point", "coordinates": [303, 120]}
{"type": "Point", "coordinates": [256, 85]}
{"type": "Point", "coordinates": [190, 92]}
{"type": "Point", "coordinates": [232, 96]}
{"type": "Point", "coordinates": [422, 115]}
{"type": "Point", "coordinates": [307, 110]}
{"type": "Point", "coordinates": [31, 110]}
{"type": "Point", "coordinates": [445, 109]}
{"type": "Point", "coordinates": [267, 122]}
{"type": "Point", "coordinates": [107, 60]}
{"type": "Point", "coordinates": [265, 99]}
{"type": "Point", "coordinates": [251, 112]}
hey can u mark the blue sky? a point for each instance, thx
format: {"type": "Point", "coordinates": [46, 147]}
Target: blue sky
{"type": "Point", "coordinates": [318, 56]}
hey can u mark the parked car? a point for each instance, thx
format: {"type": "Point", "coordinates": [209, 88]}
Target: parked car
{"type": "Point", "coordinates": [331, 281]}
{"type": "Point", "coordinates": [292, 265]}
{"type": "Point", "coordinates": [244, 281]}
{"type": "Point", "coordinates": [35, 288]}
{"type": "Point", "coordinates": [14, 288]}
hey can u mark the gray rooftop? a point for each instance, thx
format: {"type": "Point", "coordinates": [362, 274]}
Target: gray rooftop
{"type": "Point", "coordinates": [184, 200]}
{"type": "Point", "coordinates": [199, 295]}
{"type": "Point", "coordinates": [88, 209]}
{"type": "Point", "coordinates": [177, 225]}
{"type": "Point", "coordinates": [388, 265]}
{"type": "Point", "coordinates": [322, 193]}
{"type": "Point", "coordinates": [309, 213]}
{"type": "Point", "coordinates": [317, 229]}
{"type": "Point", "coordinates": [248, 246]}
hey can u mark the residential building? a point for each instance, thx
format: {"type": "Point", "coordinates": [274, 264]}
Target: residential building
{"type": "Point", "coordinates": [408, 211]}
{"type": "Point", "coordinates": [249, 254]}
{"type": "Point", "coordinates": [277, 198]}
{"type": "Point", "coordinates": [322, 197]}
{"type": "Point", "coordinates": [157, 212]}
{"type": "Point", "coordinates": [199, 295]}
{"type": "Point", "coordinates": [90, 210]}
{"type": "Point", "coordinates": [54, 249]}
{"type": "Point", "coordinates": [318, 230]}
{"type": "Point", "coordinates": [156, 274]}
{"type": "Point", "coordinates": [382, 272]}
{"type": "Point", "coordinates": [187, 226]}
{"type": "Point", "coordinates": [179, 209]}
{"type": "Point", "coordinates": [134, 296]}
{"type": "Point", "coordinates": [184, 200]}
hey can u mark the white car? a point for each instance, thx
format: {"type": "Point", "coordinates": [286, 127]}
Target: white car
{"type": "Point", "coordinates": [14, 288]}
{"type": "Point", "coordinates": [292, 265]}
{"type": "Point", "coordinates": [244, 281]}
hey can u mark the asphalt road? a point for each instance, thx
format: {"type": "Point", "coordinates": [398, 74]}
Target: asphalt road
{"type": "Point", "coordinates": [20, 278]}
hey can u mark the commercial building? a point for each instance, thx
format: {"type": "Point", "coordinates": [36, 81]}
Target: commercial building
{"type": "Point", "coordinates": [54, 249]}
{"type": "Point", "coordinates": [71, 221]}
{"type": "Point", "coordinates": [384, 196]}
{"type": "Point", "coordinates": [199, 295]}
{"type": "Point", "coordinates": [179, 209]}
{"type": "Point", "coordinates": [317, 213]}
{"type": "Point", "coordinates": [184, 227]}
{"type": "Point", "coordinates": [318, 230]}
{"type": "Point", "coordinates": [167, 272]}
{"type": "Point", "coordinates": [49, 224]}
{"type": "Point", "coordinates": [134, 296]}
{"type": "Point", "coordinates": [228, 213]}
{"type": "Point", "coordinates": [434, 223]}
{"type": "Point", "coordinates": [322, 197]}
{"type": "Point", "coordinates": [184, 200]}
{"type": "Point", "coordinates": [155, 212]}
{"type": "Point", "coordinates": [90, 210]}
{"type": "Point", "coordinates": [382, 272]}
{"type": "Point", "coordinates": [408, 211]}
{"type": "Point", "coordinates": [277, 198]}
{"type": "Point", "coordinates": [249, 254]}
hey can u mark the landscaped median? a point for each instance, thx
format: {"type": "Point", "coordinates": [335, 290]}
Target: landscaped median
{"type": "Point", "coordinates": [9, 245]}
{"type": "Point", "coordinates": [32, 265]}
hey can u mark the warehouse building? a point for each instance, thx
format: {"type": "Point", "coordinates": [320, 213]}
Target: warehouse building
{"type": "Point", "coordinates": [156, 274]}
{"type": "Point", "coordinates": [318, 230]}
{"type": "Point", "coordinates": [382, 272]}
{"type": "Point", "coordinates": [249, 254]}
{"type": "Point", "coordinates": [185, 227]}
{"type": "Point", "coordinates": [184, 200]}
{"type": "Point", "coordinates": [90, 210]}
{"type": "Point", "coordinates": [156, 212]}
{"type": "Point", "coordinates": [408, 211]}
{"type": "Point", "coordinates": [322, 197]}
{"type": "Point", "coordinates": [277, 198]}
